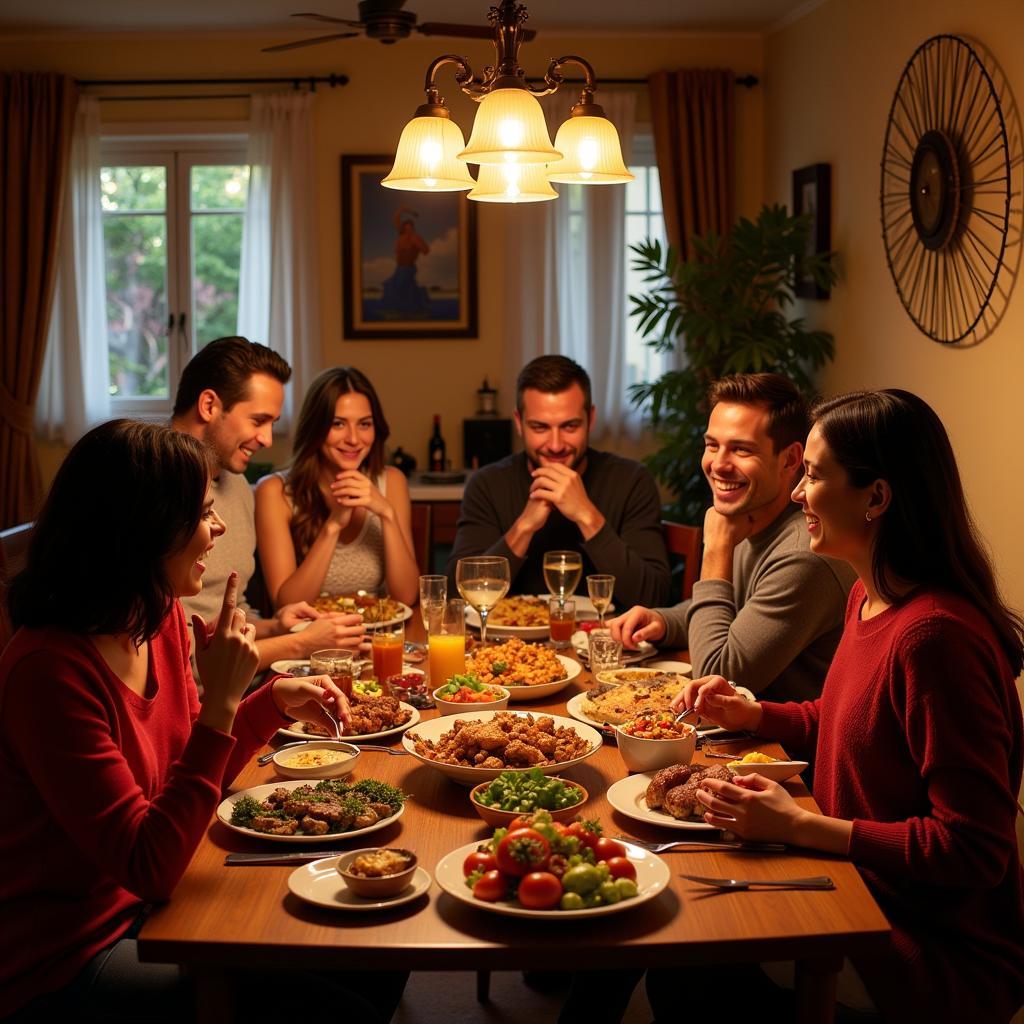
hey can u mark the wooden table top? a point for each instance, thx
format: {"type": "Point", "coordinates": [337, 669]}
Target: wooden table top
{"type": "Point", "coordinates": [246, 914]}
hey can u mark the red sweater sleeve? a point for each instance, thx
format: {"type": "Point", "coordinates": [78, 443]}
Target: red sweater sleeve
{"type": "Point", "coordinates": [958, 717]}
{"type": "Point", "coordinates": [794, 725]}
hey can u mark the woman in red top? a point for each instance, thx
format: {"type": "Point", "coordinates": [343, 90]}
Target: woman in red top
{"type": "Point", "coordinates": [110, 767]}
{"type": "Point", "coordinates": [917, 735]}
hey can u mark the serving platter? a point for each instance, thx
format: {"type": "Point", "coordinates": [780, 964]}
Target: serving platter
{"type": "Point", "coordinates": [584, 610]}
{"type": "Point", "coordinates": [363, 737]}
{"type": "Point", "coordinates": [627, 796]}
{"type": "Point", "coordinates": [405, 612]}
{"type": "Point", "coordinates": [652, 876]}
{"type": "Point", "coordinates": [320, 884]}
{"type": "Point", "coordinates": [518, 694]}
{"type": "Point", "coordinates": [436, 727]}
{"type": "Point", "coordinates": [262, 792]}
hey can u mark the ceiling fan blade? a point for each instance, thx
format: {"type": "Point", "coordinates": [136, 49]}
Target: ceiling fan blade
{"type": "Point", "coordinates": [316, 41]}
{"type": "Point", "coordinates": [328, 18]}
{"type": "Point", "coordinates": [441, 28]}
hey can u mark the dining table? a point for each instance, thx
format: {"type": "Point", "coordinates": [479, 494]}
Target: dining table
{"type": "Point", "coordinates": [245, 916]}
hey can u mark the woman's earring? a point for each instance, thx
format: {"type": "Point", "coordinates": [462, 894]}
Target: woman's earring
{"type": "Point", "coordinates": [867, 516]}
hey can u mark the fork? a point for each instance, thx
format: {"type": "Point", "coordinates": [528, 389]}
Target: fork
{"type": "Point", "coordinates": [701, 844]}
{"type": "Point", "coordinates": [817, 882]}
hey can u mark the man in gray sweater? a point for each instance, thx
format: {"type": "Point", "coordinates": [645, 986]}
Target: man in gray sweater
{"type": "Point", "coordinates": [766, 612]}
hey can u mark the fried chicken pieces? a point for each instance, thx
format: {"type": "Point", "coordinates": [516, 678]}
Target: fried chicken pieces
{"type": "Point", "coordinates": [369, 714]}
{"type": "Point", "coordinates": [674, 789]}
{"type": "Point", "coordinates": [506, 741]}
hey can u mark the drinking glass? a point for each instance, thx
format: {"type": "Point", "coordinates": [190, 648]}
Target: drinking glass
{"type": "Point", "coordinates": [600, 587]}
{"type": "Point", "coordinates": [561, 621]}
{"type": "Point", "coordinates": [605, 652]}
{"type": "Point", "coordinates": [433, 593]}
{"type": "Point", "coordinates": [387, 648]}
{"type": "Point", "coordinates": [562, 571]}
{"type": "Point", "coordinates": [446, 642]}
{"type": "Point", "coordinates": [483, 581]}
{"type": "Point", "coordinates": [338, 664]}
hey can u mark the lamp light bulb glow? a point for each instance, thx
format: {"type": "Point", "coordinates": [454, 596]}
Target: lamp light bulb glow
{"type": "Point", "coordinates": [511, 133]}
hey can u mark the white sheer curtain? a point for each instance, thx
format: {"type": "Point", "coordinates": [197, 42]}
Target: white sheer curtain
{"type": "Point", "coordinates": [278, 302]}
{"type": "Point", "coordinates": [572, 272]}
{"type": "Point", "coordinates": [74, 387]}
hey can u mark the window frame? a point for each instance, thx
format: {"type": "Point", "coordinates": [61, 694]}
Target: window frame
{"type": "Point", "coordinates": [179, 151]}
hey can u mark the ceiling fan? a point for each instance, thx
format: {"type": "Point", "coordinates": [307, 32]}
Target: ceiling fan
{"type": "Point", "coordinates": [385, 21]}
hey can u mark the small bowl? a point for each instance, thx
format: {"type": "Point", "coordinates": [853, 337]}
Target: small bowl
{"type": "Point", "coordinates": [451, 707]}
{"type": "Point", "coordinates": [640, 755]}
{"type": "Point", "coordinates": [499, 818]}
{"type": "Point", "coordinates": [327, 771]}
{"type": "Point", "coordinates": [376, 888]}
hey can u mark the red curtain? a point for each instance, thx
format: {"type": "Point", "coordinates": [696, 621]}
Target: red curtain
{"type": "Point", "coordinates": [694, 124]}
{"type": "Point", "coordinates": [36, 122]}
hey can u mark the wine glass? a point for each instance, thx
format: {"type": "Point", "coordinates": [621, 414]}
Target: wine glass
{"type": "Point", "coordinates": [562, 571]}
{"type": "Point", "coordinates": [600, 587]}
{"type": "Point", "coordinates": [483, 581]}
{"type": "Point", "coordinates": [433, 595]}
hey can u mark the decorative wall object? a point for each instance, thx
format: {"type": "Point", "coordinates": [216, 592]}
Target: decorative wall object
{"type": "Point", "coordinates": [812, 195]}
{"type": "Point", "coordinates": [408, 262]}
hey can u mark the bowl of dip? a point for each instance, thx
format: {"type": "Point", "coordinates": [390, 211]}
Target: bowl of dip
{"type": "Point", "coordinates": [377, 873]}
{"type": "Point", "coordinates": [316, 759]}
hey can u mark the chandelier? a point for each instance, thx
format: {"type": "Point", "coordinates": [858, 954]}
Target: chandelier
{"type": "Point", "coordinates": [510, 140]}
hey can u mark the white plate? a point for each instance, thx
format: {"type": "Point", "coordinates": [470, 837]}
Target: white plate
{"type": "Point", "coordinates": [777, 771]}
{"type": "Point", "coordinates": [363, 736]}
{"type": "Point", "coordinates": [584, 610]}
{"type": "Point", "coordinates": [405, 613]}
{"type": "Point", "coordinates": [320, 884]}
{"type": "Point", "coordinates": [575, 708]}
{"type": "Point", "coordinates": [678, 668]}
{"type": "Point", "coordinates": [519, 694]}
{"type": "Point", "coordinates": [652, 876]}
{"type": "Point", "coordinates": [627, 796]}
{"type": "Point", "coordinates": [436, 727]}
{"type": "Point", "coordinates": [262, 792]}
{"type": "Point", "coordinates": [289, 665]}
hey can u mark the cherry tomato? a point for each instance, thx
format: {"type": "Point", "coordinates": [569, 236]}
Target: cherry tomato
{"type": "Point", "coordinates": [523, 821]}
{"type": "Point", "coordinates": [479, 860]}
{"type": "Point", "coordinates": [605, 849]}
{"type": "Point", "coordinates": [586, 836]}
{"type": "Point", "coordinates": [540, 890]}
{"type": "Point", "coordinates": [522, 851]}
{"type": "Point", "coordinates": [621, 867]}
{"type": "Point", "coordinates": [491, 887]}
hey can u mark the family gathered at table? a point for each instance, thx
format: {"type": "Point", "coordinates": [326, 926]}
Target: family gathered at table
{"type": "Point", "coordinates": [843, 582]}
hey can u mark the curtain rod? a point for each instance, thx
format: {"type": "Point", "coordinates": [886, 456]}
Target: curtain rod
{"type": "Point", "coordinates": [748, 81]}
{"type": "Point", "coordinates": [297, 81]}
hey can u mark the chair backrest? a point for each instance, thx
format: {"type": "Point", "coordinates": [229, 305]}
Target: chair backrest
{"type": "Point", "coordinates": [421, 535]}
{"type": "Point", "coordinates": [13, 555]}
{"type": "Point", "coordinates": [684, 542]}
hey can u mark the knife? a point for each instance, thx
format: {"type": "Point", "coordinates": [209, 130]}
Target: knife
{"type": "Point", "coordinates": [296, 857]}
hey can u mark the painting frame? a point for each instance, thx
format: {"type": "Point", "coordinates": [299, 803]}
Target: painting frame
{"type": "Point", "coordinates": [812, 193]}
{"type": "Point", "coordinates": [400, 307]}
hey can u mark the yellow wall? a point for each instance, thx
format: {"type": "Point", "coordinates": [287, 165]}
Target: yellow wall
{"type": "Point", "coordinates": [829, 82]}
{"type": "Point", "coordinates": [415, 378]}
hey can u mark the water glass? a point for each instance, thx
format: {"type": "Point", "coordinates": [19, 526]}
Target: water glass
{"type": "Point", "coordinates": [605, 652]}
{"type": "Point", "coordinates": [433, 593]}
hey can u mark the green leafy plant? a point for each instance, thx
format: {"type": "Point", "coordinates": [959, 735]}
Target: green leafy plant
{"type": "Point", "coordinates": [724, 311]}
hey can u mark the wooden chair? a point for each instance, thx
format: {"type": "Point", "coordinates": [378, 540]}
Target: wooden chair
{"type": "Point", "coordinates": [13, 555]}
{"type": "Point", "coordinates": [421, 547]}
{"type": "Point", "coordinates": [684, 542]}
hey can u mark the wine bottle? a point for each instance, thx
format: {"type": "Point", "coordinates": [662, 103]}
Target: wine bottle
{"type": "Point", "coordinates": [438, 448]}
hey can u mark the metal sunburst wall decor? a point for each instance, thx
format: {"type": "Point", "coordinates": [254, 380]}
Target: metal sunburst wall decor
{"type": "Point", "coordinates": [945, 192]}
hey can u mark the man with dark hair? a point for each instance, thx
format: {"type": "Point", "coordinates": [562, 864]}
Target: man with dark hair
{"type": "Point", "coordinates": [230, 396]}
{"type": "Point", "coordinates": [560, 494]}
{"type": "Point", "coordinates": [766, 611]}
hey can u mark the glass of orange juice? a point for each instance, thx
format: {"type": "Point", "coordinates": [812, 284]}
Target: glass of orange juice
{"type": "Point", "coordinates": [446, 643]}
{"type": "Point", "coordinates": [387, 646]}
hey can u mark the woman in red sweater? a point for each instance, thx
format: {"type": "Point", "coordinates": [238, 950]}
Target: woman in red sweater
{"type": "Point", "coordinates": [917, 735]}
{"type": "Point", "coordinates": [110, 767]}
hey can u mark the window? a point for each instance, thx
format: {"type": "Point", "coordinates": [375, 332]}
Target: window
{"type": "Point", "coordinates": [172, 230]}
{"type": "Point", "coordinates": [644, 219]}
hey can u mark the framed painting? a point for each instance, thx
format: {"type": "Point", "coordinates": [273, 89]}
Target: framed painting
{"type": "Point", "coordinates": [812, 194]}
{"type": "Point", "coordinates": [408, 260]}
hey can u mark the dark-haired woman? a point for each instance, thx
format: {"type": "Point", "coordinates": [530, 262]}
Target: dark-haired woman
{"type": "Point", "coordinates": [110, 768]}
{"type": "Point", "coordinates": [339, 520]}
{"type": "Point", "coordinates": [917, 734]}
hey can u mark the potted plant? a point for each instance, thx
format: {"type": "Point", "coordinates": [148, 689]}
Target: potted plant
{"type": "Point", "coordinates": [724, 311]}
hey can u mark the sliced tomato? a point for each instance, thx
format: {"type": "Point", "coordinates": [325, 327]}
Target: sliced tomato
{"type": "Point", "coordinates": [621, 867]}
{"type": "Point", "coordinates": [522, 851]}
{"type": "Point", "coordinates": [479, 860]}
{"type": "Point", "coordinates": [491, 887]}
{"type": "Point", "coordinates": [605, 849]}
{"type": "Point", "coordinates": [540, 890]}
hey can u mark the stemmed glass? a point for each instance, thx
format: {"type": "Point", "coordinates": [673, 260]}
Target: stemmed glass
{"type": "Point", "coordinates": [562, 571]}
{"type": "Point", "coordinates": [483, 581]}
{"type": "Point", "coordinates": [600, 587]}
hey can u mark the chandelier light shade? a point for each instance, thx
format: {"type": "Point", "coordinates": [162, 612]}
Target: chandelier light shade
{"type": "Point", "coordinates": [592, 154]}
{"type": "Point", "coordinates": [509, 128]}
{"type": "Point", "coordinates": [426, 160]}
{"type": "Point", "coordinates": [512, 183]}
{"type": "Point", "coordinates": [510, 140]}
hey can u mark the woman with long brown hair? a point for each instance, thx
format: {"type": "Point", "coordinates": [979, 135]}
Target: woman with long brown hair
{"type": "Point", "coordinates": [339, 520]}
